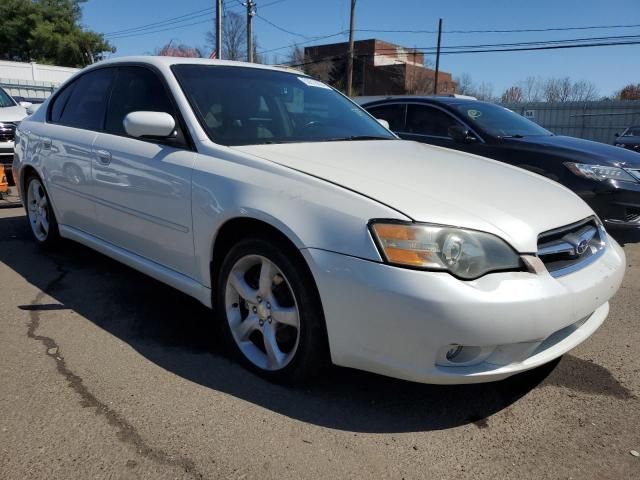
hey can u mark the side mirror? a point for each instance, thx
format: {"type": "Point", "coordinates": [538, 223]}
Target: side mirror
{"type": "Point", "coordinates": [616, 134]}
{"type": "Point", "coordinates": [460, 134]}
{"type": "Point", "coordinates": [384, 123]}
{"type": "Point", "coordinates": [26, 104]}
{"type": "Point", "coordinates": [149, 124]}
{"type": "Point", "coordinates": [32, 108]}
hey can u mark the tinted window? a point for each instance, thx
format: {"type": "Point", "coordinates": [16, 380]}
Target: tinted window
{"type": "Point", "coordinates": [5, 99]}
{"type": "Point", "coordinates": [499, 121]}
{"type": "Point", "coordinates": [59, 102]}
{"type": "Point", "coordinates": [394, 114]}
{"type": "Point", "coordinates": [245, 106]}
{"type": "Point", "coordinates": [88, 100]}
{"type": "Point", "coordinates": [632, 132]}
{"type": "Point", "coordinates": [426, 120]}
{"type": "Point", "coordinates": [135, 89]}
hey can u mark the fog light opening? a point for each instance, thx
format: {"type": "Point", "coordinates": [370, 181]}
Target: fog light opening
{"type": "Point", "coordinates": [453, 352]}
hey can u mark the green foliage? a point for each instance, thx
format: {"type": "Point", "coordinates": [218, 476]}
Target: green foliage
{"type": "Point", "coordinates": [48, 31]}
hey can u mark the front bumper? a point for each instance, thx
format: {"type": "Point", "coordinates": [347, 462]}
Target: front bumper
{"type": "Point", "coordinates": [618, 206]}
{"type": "Point", "coordinates": [400, 322]}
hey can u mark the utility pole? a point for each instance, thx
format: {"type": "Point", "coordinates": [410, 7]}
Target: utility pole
{"type": "Point", "coordinates": [250, 13]}
{"type": "Point", "coordinates": [435, 83]}
{"type": "Point", "coordinates": [218, 28]}
{"type": "Point", "coordinates": [350, 60]}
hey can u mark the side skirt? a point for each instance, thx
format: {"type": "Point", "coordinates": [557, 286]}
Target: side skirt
{"type": "Point", "coordinates": [148, 267]}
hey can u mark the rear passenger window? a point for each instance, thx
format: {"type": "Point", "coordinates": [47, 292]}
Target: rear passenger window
{"type": "Point", "coordinates": [87, 102]}
{"type": "Point", "coordinates": [60, 102]}
{"type": "Point", "coordinates": [136, 89]}
{"type": "Point", "coordinates": [430, 121]}
{"type": "Point", "coordinates": [394, 114]}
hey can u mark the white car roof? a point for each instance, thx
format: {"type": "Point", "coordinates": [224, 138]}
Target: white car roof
{"type": "Point", "coordinates": [169, 61]}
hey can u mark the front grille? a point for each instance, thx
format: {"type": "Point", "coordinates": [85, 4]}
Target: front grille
{"type": "Point", "coordinates": [632, 215]}
{"type": "Point", "coordinates": [630, 146]}
{"type": "Point", "coordinates": [567, 249]}
{"type": "Point", "coordinates": [7, 132]}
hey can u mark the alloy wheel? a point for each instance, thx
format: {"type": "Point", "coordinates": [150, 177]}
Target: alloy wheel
{"type": "Point", "coordinates": [262, 312]}
{"type": "Point", "coordinates": [38, 210]}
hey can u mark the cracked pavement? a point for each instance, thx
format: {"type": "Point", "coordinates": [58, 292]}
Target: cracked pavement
{"type": "Point", "coordinates": [106, 373]}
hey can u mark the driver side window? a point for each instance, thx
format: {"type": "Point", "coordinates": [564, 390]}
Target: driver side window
{"type": "Point", "coordinates": [425, 120]}
{"type": "Point", "coordinates": [138, 89]}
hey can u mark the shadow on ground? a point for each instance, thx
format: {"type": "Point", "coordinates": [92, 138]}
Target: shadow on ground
{"type": "Point", "coordinates": [180, 335]}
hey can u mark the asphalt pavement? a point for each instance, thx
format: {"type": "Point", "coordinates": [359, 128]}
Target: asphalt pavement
{"type": "Point", "coordinates": [108, 374]}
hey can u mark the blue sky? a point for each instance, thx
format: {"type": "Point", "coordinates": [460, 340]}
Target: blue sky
{"type": "Point", "coordinates": [609, 68]}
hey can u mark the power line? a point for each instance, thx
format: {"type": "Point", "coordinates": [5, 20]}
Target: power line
{"type": "Point", "coordinates": [517, 44]}
{"type": "Point", "coordinates": [169, 20]}
{"type": "Point", "coordinates": [208, 20]}
{"type": "Point", "coordinates": [163, 26]}
{"type": "Point", "coordinates": [282, 29]}
{"type": "Point", "coordinates": [517, 49]}
{"type": "Point", "coordinates": [315, 39]}
{"type": "Point", "coordinates": [521, 30]}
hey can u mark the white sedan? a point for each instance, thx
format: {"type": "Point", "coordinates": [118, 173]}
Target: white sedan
{"type": "Point", "coordinates": [314, 233]}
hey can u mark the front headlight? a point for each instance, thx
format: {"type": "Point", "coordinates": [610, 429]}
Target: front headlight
{"type": "Point", "coordinates": [599, 172]}
{"type": "Point", "coordinates": [466, 254]}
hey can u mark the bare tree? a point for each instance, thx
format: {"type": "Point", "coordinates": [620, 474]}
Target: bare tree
{"type": "Point", "coordinates": [484, 91]}
{"type": "Point", "coordinates": [557, 89]}
{"type": "Point", "coordinates": [531, 88]}
{"type": "Point", "coordinates": [420, 83]}
{"type": "Point", "coordinates": [464, 84]}
{"type": "Point", "coordinates": [584, 91]}
{"type": "Point", "coordinates": [296, 56]}
{"type": "Point", "coordinates": [512, 95]}
{"type": "Point", "coordinates": [322, 69]}
{"type": "Point", "coordinates": [234, 37]}
{"type": "Point", "coordinates": [566, 90]}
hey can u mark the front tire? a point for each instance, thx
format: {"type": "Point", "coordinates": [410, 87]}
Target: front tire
{"type": "Point", "coordinates": [271, 312]}
{"type": "Point", "coordinates": [40, 216]}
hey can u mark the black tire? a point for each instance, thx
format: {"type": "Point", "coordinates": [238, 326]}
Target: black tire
{"type": "Point", "coordinates": [312, 352]}
{"type": "Point", "coordinates": [52, 236]}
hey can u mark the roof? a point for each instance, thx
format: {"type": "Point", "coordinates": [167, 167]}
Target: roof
{"type": "Point", "coordinates": [450, 100]}
{"type": "Point", "coordinates": [159, 61]}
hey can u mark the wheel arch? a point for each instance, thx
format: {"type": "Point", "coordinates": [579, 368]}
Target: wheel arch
{"type": "Point", "coordinates": [236, 228]}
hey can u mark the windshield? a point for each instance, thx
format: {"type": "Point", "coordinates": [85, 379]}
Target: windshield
{"type": "Point", "coordinates": [248, 106]}
{"type": "Point", "coordinates": [632, 132]}
{"type": "Point", "coordinates": [499, 121]}
{"type": "Point", "coordinates": [5, 99]}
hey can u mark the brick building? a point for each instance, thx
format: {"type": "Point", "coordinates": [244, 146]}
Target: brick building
{"type": "Point", "coordinates": [379, 68]}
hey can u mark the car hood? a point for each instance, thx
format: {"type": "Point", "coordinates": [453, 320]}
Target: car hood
{"type": "Point", "coordinates": [580, 150]}
{"type": "Point", "coordinates": [438, 185]}
{"type": "Point", "coordinates": [630, 140]}
{"type": "Point", "coordinates": [12, 114]}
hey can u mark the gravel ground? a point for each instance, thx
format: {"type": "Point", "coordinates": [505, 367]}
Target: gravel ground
{"type": "Point", "coordinates": [105, 373]}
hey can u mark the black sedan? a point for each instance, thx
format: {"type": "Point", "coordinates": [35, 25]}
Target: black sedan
{"type": "Point", "coordinates": [629, 139]}
{"type": "Point", "coordinates": [606, 177]}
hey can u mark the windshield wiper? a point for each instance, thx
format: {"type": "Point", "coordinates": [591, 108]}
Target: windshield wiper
{"type": "Point", "coordinates": [358, 137]}
{"type": "Point", "coordinates": [517, 135]}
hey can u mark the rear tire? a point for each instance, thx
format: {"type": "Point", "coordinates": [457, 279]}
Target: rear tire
{"type": "Point", "coordinates": [40, 215]}
{"type": "Point", "coordinates": [271, 312]}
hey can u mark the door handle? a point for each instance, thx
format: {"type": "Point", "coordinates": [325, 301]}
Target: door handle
{"type": "Point", "coordinates": [104, 157]}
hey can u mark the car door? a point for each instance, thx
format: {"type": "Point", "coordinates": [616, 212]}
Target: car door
{"type": "Point", "coordinates": [74, 117]}
{"type": "Point", "coordinates": [143, 186]}
{"type": "Point", "coordinates": [393, 113]}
